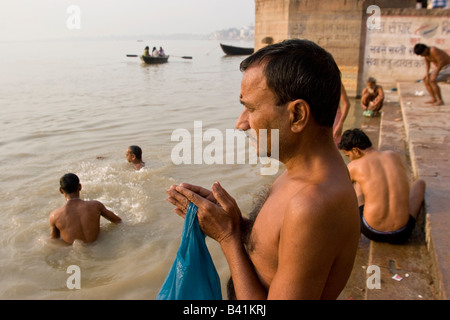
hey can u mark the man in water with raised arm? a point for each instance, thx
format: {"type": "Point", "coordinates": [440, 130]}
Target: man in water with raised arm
{"type": "Point", "coordinates": [77, 219]}
{"type": "Point", "coordinates": [302, 243]}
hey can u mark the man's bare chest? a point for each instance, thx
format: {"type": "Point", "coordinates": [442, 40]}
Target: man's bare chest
{"type": "Point", "coordinates": [264, 240]}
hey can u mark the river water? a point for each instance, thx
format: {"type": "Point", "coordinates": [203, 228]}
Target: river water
{"type": "Point", "coordinates": [75, 106]}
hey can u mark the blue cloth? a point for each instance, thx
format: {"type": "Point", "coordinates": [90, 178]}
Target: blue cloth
{"type": "Point", "coordinates": [193, 275]}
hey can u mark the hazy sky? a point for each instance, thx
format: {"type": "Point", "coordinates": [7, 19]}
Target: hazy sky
{"type": "Point", "coordinates": [48, 19]}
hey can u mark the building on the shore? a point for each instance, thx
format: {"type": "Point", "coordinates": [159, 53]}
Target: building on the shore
{"type": "Point", "coordinates": [367, 38]}
{"type": "Point", "coordinates": [246, 33]}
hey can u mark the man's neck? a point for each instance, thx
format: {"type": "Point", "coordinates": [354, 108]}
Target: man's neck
{"type": "Point", "coordinates": [311, 152]}
{"type": "Point", "coordinates": [368, 150]}
{"type": "Point", "coordinates": [72, 196]}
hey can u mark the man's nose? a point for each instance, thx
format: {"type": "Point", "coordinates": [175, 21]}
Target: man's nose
{"type": "Point", "coordinates": [242, 122]}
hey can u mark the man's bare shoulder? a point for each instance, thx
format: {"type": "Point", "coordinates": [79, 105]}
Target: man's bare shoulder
{"type": "Point", "coordinates": [438, 55]}
{"type": "Point", "coordinates": [436, 51]}
{"type": "Point", "coordinates": [94, 203]}
{"type": "Point", "coordinates": [390, 154]}
{"type": "Point", "coordinates": [355, 167]}
{"type": "Point", "coordinates": [320, 220]}
{"type": "Point", "coordinates": [314, 202]}
{"type": "Point", "coordinates": [56, 212]}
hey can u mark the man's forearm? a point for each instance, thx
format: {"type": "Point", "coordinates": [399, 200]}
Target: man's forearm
{"type": "Point", "coordinates": [245, 280]}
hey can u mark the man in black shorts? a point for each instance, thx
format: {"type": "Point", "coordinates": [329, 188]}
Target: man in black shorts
{"type": "Point", "coordinates": [387, 205]}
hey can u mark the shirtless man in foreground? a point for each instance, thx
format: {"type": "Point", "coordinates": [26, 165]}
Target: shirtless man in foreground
{"type": "Point", "coordinates": [303, 242]}
{"type": "Point", "coordinates": [441, 61]}
{"type": "Point", "coordinates": [77, 219]}
{"type": "Point", "coordinates": [388, 207]}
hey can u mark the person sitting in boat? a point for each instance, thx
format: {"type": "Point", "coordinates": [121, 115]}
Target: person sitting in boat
{"type": "Point", "coordinates": [146, 52]}
{"type": "Point", "coordinates": [161, 52]}
{"type": "Point", "coordinates": [155, 52]}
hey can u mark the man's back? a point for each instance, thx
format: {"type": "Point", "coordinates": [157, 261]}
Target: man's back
{"type": "Point", "coordinates": [79, 220]}
{"type": "Point", "coordinates": [438, 56]}
{"type": "Point", "coordinates": [385, 186]}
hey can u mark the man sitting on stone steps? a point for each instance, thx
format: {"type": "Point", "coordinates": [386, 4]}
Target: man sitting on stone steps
{"type": "Point", "coordinates": [388, 206]}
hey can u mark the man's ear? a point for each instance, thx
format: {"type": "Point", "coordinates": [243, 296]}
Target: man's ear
{"type": "Point", "coordinates": [299, 112]}
{"type": "Point", "coordinates": [79, 187]}
{"type": "Point", "coordinates": [357, 152]}
{"type": "Point", "coordinates": [61, 190]}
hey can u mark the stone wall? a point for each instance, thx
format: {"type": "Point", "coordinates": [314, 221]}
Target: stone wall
{"type": "Point", "coordinates": [271, 21]}
{"type": "Point", "coordinates": [337, 25]}
{"type": "Point", "coordinates": [388, 52]}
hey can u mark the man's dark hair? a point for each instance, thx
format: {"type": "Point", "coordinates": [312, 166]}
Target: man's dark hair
{"type": "Point", "coordinates": [69, 183]}
{"type": "Point", "coordinates": [354, 138]}
{"type": "Point", "coordinates": [420, 48]}
{"type": "Point", "coordinates": [137, 151]}
{"type": "Point", "coordinates": [300, 69]}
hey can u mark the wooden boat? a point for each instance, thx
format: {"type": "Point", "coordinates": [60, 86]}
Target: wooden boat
{"type": "Point", "coordinates": [232, 50]}
{"type": "Point", "coordinates": [154, 60]}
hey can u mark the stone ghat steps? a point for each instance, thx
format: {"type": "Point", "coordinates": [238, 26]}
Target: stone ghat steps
{"type": "Point", "coordinates": [404, 268]}
{"type": "Point", "coordinates": [405, 271]}
{"type": "Point", "coordinates": [428, 136]}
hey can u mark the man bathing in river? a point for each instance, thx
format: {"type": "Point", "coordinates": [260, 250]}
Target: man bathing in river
{"type": "Point", "coordinates": [77, 219]}
{"type": "Point", "coordinates": [302, 243]}
{"type": "Point", "coordinates": [134, 156]}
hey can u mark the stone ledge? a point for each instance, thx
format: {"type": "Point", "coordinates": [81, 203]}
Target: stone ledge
{"type": "Point", "coordinates": [428, 138]}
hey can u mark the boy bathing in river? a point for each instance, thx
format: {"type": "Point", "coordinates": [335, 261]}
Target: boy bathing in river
{"type": "Point", "coordinates": [77, 219]}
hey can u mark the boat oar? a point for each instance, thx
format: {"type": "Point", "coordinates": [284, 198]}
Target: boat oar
{"type": "Point", "coordinates": [183, 57]}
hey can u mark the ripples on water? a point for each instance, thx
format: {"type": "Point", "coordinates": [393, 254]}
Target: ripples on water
{"type": "Point", "coordinates": [75, 107]}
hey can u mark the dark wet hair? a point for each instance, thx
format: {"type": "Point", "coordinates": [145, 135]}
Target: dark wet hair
{"type": "Point", "coordinates": [136, 150]}
{"type": "Point", "coordinates": [300, 69]}
{"type": "Point", "coordinates": [420, 48]}
{"type": "Point", "coordinates": [354, 138]}
{"type": "Point", "coordinates": [69, 182]}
